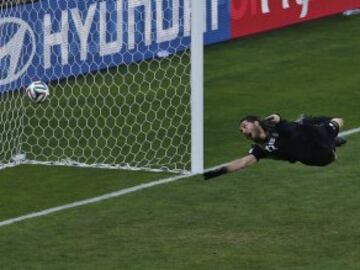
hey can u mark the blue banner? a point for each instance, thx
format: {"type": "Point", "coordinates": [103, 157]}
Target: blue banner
{"type": "Point", "coordinates": [52, 40]}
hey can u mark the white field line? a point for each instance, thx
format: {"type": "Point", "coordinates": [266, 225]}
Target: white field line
{"type": "Point", "coordinates": [118, 193]}
{"type": "Point", "coordinates": [107, 196]}
{"type": "Point", "coordinates": [349, 132]}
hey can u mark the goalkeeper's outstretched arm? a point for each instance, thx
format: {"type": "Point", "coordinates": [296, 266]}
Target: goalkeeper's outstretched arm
{"type": "Point", "coordinates": [233, 166]}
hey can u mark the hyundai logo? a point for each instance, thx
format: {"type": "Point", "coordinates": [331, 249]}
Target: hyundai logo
{"type": "Point", "coordinates": [17, 44]}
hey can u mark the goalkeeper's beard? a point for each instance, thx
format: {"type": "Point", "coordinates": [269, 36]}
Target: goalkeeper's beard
{"type": "Point", "coordinates": [256, 136]}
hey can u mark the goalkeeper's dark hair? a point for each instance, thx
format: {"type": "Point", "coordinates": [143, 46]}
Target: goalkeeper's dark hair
{"type": "Point", "coordinates": [251, 118]}
{"type": "Point", "coordinates": [266, 125]}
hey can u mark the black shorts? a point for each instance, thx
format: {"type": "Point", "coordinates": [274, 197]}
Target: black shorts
{"type": "Point", "coordinates": [322, 138]}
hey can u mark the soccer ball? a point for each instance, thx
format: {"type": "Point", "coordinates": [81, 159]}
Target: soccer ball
{"type": "Point", "coordinates": [37, 91]}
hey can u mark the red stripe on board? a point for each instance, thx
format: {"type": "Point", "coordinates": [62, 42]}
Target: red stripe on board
{"type": "Point", "coordinates": [254, 16]}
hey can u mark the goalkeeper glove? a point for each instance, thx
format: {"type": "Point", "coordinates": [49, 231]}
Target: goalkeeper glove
{"type": "Point", "coordinates": [270, 121]}
{"type": "Point", "coordinates": [215, 173]}
{"type": "Point", "coordinates": [274, 118]}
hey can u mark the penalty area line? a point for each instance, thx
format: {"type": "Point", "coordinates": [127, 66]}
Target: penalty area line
{"type": "Point", "coordinates": [118, 193]}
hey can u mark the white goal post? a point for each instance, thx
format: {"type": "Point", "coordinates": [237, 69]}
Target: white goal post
{"type": "Point", "coordinates": [125, 80]}
{"type": "Point", "coordinates": [197, 87]}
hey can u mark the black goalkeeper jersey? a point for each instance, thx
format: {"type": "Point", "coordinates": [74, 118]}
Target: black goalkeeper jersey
{"type": "Point", "coordinates": [291, 141]}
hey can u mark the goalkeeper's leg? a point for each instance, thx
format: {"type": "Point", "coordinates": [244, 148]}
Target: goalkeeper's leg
{"type": "Point", "coordinates": [321, 120]}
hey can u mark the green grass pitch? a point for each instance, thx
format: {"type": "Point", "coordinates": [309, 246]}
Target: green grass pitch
{"type": "Point", "coordinates": [271, 216]}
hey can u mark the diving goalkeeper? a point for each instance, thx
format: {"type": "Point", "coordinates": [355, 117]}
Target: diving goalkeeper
{"type": "Point", "coordinates": [309, 140]}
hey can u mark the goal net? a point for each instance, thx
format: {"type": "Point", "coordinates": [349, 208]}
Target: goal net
{"type": "Point", "coordinates": [119, 74]}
